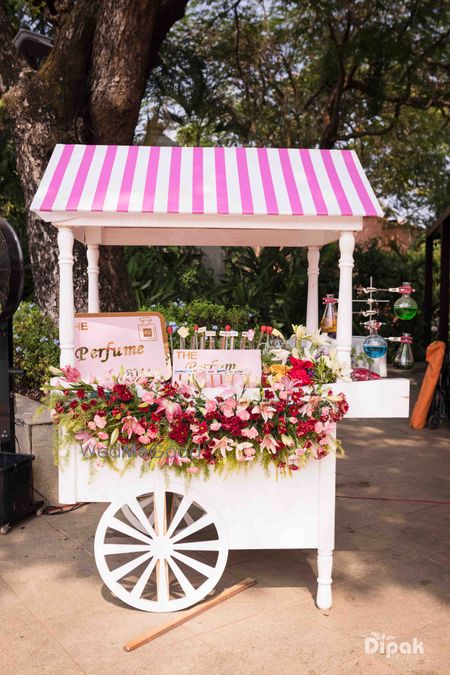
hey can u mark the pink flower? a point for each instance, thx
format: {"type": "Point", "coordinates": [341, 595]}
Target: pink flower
{"type": "Point", "coordinates": [192, 469]}
{"type": "Point", "coordinates": [200, 438]}
{"type": "Point", "coordinates": [215, 426]}
{"type": "Point", "coordinates": [318, 427]}
{"type": "Point", "coordinates": [210, 406]}
{"type": "Point", "coordinates": [227, 407]}
{"type": "Point", "coordinates": [103, 435]}
{"type": "Point", "coordinates": [100, 421]}
{"type": "Point", "coordinates": [131, 426]}
{"type": "Point", "coordinates": [249, 432]}
{"type": "Point", "coordinates": [265, 410]}
{"type": "Point", "coordinates": [171, 408]}
{"type": "Point", "coordinates": [245, 452]}
{"type": "Point", "coordinates": [144, 439]}
{"type": "Point", "coordinates": [92, 425]}
{"type": "Point", "coordinates": [148, 397]}
{"type": "Point", "coordinates": [224, 445]}
{"type": "Point", "coordinates": [269, 443]}
{"type": "Point", "coordinates": [242, 413]}
{"type": "Point", "coordinates": [71, 374]}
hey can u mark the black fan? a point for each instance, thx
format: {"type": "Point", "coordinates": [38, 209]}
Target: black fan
{"type": "Point", "coordinates": [11, 289]}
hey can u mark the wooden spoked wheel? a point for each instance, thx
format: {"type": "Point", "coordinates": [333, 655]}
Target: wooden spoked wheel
{"type": "Point", "coordinates": [161, 551]}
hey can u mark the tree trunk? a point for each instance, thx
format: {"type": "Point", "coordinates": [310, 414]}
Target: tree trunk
{"type": "Point", "coordinates": [89, 89]}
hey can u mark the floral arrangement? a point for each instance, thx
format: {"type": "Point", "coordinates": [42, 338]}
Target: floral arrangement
{"type": "Point", "coordinates": [287, 421]}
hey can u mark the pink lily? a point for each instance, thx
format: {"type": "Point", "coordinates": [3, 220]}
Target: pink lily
{"type": "Point", "coordinates": [131, 426]}
{"type": "Point", "coordinates": [269, 443]}
{"type": "Point", "coordinates": [71, 374]}
{"type": "Point", "coordinates": [225, 444]}
{"type": "Point", "coordinates": [265, 410]}
{"type": "Point", "coordinates": [171, 408]}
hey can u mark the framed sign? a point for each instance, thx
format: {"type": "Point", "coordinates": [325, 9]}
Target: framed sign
{"type": "Point", "coordinates": [219, 367]}
{"type": "Point", "coordinates": [133, 341]}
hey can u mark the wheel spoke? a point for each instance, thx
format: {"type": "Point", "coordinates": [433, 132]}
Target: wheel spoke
{"type": "Point", "coordinates": [180, 513]}
{"type": "Point", "coordinates": [140, 515]}
{"type": "Point", "coordinates": [162, 580]}
{"type": "Point", "coordinates": [115, 549]}
{"type": "Point", "coordinates": [143, 579]}
{"type": "Point", "coordinates": [197, 525]}
{"type": "Point", "coordinates": [120, 572]}
{"type": "Point", "coordinates": [116, 524]}
{"type": "Point", "coordinates": [213, 545]}
{"type": "Point", "coordinates": [182, 579]}
{"type": "Point", "coordinates": [160, 512]}
{"type": "Point", "coordinates": [206, 570]}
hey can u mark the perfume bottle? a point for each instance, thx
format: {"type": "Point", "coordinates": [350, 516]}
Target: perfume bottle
{"type": "Point", "coordinates": [404, 359]}
{"type": "Point", "coordinates": [405, 307]}
{"type": "Point", "coordinates": [329, 318]}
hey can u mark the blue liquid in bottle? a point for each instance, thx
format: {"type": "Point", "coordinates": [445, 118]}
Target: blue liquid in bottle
{"type": "Point", "coordinates": [375, 346]}
{"type": "Point", "coordinates": [375, 351]}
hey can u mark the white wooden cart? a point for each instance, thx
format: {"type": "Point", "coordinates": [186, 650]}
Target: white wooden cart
{"type": "Point", "coordinates": [162, 544]}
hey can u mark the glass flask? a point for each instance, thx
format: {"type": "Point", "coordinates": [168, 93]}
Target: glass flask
{"type": "Point", "coordinates": [405, 307]}
{"type": "Point", "coordinates": [374, 346]}
{"type": "Point", "coordinates": [329, 318]}
{"type": "Point", "coordinates": [404, 359]}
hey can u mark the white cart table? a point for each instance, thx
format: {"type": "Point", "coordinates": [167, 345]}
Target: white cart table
{"type": "Point", "coordinates": [157, 528]}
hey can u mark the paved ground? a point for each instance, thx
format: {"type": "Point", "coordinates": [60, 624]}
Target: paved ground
{"type": "Point", "coordinates": [391, 577]}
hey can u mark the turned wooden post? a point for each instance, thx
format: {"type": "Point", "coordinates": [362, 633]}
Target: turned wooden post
{"type": "Point", "coordinates": [93, 272]}
{"type": "Point", "coordinates": [66, 302]}
{"type": "Point", "coordinates": [312, 307]}
{"type": "Point", "coordinates": [344, 323]}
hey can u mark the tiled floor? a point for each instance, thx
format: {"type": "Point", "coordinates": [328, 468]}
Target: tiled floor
{"type": "Point", "coordinates": [391, 577]}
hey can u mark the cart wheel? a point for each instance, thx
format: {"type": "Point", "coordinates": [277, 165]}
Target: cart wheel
{"type": "Point", "coordinates": [4, 529]}
{"type": "Point", "coordinates": [161, 551]}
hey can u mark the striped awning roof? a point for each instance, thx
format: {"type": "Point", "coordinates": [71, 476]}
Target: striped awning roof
{"type": "Point", "coordinates": [215, 181]}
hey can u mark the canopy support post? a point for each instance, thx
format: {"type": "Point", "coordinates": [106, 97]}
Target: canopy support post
{"type": "Point", "coordinates": [345, 307]}
{"type": "Point", "coordinates": [66, 301]}
{"type": "Point", "coordinates": [312, 306]}
{"type": "Point", "coordinates": [93, 270]}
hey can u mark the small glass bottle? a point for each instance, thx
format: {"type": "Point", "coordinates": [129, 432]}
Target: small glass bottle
{"type": "Point", "coordinates": [404, 359]}
{"type": "Point", "coordinates": [329, 318]}
{"type": "Point", "coordinates": [405, 307]}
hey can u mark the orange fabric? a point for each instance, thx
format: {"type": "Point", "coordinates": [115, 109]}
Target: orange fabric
{"type": "Point", "coordinates": [435, 358]}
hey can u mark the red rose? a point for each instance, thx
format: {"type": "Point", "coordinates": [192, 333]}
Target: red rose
{"type": "Point", "coordinates": [81, 393]}
{"type": "Point", "coordinates": [301, 371]}
{"type": "Point", "coordinates": [73, 404]}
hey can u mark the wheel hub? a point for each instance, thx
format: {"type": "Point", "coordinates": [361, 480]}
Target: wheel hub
{"type": "Point", "coordinates": [162, 547]}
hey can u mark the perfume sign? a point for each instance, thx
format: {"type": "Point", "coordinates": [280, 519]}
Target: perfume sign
{"type": "Point", "coordinates": [135, 342]}
{"type": "Point", "coordinates": [217, 367]}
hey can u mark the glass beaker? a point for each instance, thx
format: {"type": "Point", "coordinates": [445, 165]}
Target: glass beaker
{"type": "Point", "coordinates": [329, 318]}
{"type": "Point", "coordinates": [404, 359]}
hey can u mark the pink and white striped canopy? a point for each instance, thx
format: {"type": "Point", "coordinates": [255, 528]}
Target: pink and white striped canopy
{"type": "Point", "coordinates": [214, 181]}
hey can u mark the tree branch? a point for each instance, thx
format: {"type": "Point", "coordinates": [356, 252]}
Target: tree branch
{"type": "Point", "coordinates": [127, 37]}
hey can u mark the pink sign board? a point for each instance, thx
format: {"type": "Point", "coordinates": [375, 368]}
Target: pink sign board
{"type": "Point", "coordinates": [135, 342]}
{"type": "Point", "coordinates": [221, 367]}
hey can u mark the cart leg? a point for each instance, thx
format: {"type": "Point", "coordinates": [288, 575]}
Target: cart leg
{"type": "Point", "coordinates": [324, 567]}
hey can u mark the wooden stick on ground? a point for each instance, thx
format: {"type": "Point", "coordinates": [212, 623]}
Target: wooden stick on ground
{"type": "Point", "coordinates": [190, 614]}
